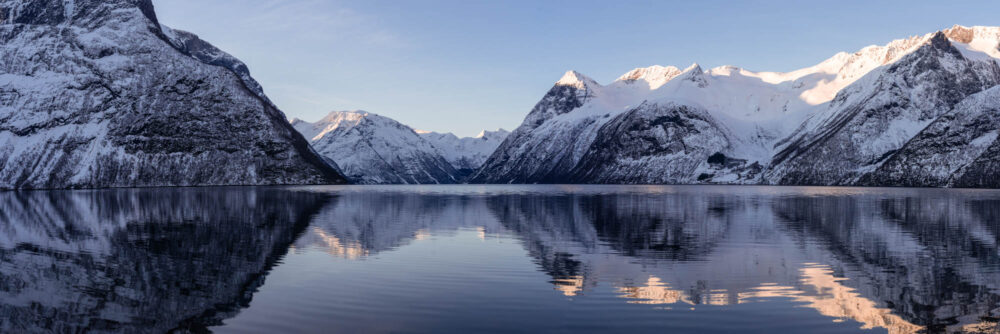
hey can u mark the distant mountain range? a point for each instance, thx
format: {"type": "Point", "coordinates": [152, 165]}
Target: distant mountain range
{"type": "Point", "coordinates": [99, 94]}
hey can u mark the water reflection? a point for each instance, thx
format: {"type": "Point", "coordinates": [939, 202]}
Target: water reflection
{"type": "Point", "coordinates": [825, 293]}
{"type": "Point", "coordinates": [895, 260]}
{"type": "Point", "coordinates": [139, 260]}
{"type": "Point", "coordinates": [901, 260]}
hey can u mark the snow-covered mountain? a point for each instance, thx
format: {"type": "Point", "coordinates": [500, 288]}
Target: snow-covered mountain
{"type": "Point", "coordinates": [96, 93]}
{"type": "Point", "coordinates": [374, 149]}
{"type": "Point", "coordinates": [831, 123]}
{"type": "Point", "coordinates": [466, 154]}
{"type": "Point", "coordinates": [868, 122]}
{"type": "Point", "coordinates": [959, 149]}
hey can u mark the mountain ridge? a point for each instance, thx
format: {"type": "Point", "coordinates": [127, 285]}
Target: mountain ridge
{"type": "Point", "coordinates": [760, 113]}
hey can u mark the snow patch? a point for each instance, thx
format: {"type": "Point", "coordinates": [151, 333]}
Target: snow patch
{"type": "Point", "coordinates": [985, 139]}
{"type": "Point", "coordinates": [69, 7]}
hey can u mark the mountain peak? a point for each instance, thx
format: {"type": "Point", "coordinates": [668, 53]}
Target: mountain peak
{"type": "Point", "coordinates": [695, 74]}
{"type": "Point", "coordinates": [966, 35]}
{"type": "Point", "coordinates": [347, 113]}
{"type": "Point", "coordinates": [575, 79]}
{"type": "Point", "coordinates": [940, 41]}
{"type": "Point", "coordinates": [961, 34]}
{"type": "Point", "coordinates": [694, 67]}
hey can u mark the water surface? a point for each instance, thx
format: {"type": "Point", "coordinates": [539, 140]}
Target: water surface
{"type": "Point", "coordinates": [479, 259]}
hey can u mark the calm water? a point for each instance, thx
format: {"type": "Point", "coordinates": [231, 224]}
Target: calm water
{"type": "Point", "coordinates": [478, 259]}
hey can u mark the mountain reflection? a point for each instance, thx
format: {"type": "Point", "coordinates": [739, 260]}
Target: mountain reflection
{"type": "Point", "coordinates": [186, 259]}
{"type": "Point", "coordinates": [825, 293]}
{"type": "Point", "coordinates": [902, 260]}
{"type": "Point", "coordinates": [148, 260]}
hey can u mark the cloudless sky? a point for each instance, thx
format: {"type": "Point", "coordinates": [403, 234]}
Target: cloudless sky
{"type": "Point", "coordinates": [467, 65]}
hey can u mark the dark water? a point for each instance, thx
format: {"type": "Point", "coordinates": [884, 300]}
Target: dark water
{"type": "Point", "coordinates": [478, 259]}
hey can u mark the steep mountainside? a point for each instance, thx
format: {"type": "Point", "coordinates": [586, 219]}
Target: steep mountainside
{"type": "Point", "coordinates": [827, 124]}
{"type": "Point", "coordinates": [372, 149]}
{"type": "Point", "coordinates": [959, 149]}
{"type": "Point", "coordinates": [466, 154]}
{"type": "Point", "coordinates": [538, 147]}
{"type": "Point", "coordinates": [99, 94]}
{"type": "Point", "coordinates": [872, 119]}
{"type": "Point", "coordinates": [652, 144]}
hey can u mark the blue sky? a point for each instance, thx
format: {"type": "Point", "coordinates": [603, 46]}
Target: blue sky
{"type": "Point", "coordinates": [464, 66]}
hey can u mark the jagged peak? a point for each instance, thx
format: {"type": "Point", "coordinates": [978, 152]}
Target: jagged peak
{"type": "Point", "coordinates": [939, 41]}
{"type": "Point", "coordinates": [938, 37]}
{"type": "Point", "coordinates": [961, 34]}
{"type": "Point", "coordinates": [693, 68]}
{"type": "Point", "coordinates": [575, 79]}
{"type": "Point", "coordinates": [986, 39]}
{"type": "Point", "coordinates": [692, 71]}
{"type": "Point", "coordinates": [977, 41]}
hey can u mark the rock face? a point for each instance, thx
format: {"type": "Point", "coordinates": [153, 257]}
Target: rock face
{"type": "Point", "coordinates": [959, 149]}
{"type": "Point", "coordinates": [466, 154]}
{"type": "Point", "coordinates": [99, 94]}
{"type": "Point", "coordinates": [844, 121]}
{"type": "Point", "coordinates": [372, 149]}
{"type": "Point", "coordinates": [649, 137]}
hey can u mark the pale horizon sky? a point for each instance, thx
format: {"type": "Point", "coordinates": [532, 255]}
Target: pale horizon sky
{"type": "Point", "coordinates": [466, 66]}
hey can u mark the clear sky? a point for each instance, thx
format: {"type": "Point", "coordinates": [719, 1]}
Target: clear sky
{"type": "Point", "coordinates": [466, 65]}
